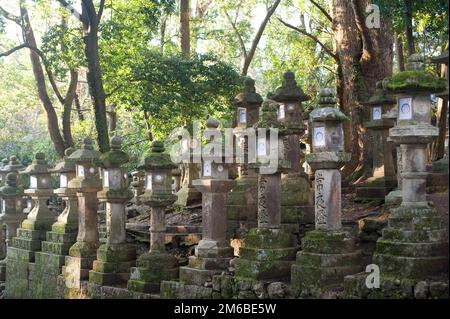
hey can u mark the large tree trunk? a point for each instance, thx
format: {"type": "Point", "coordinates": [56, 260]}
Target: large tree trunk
{"type": "Point", "coordinates": [409, 27]}
{"type": "Point", "coordinates": [399, 52]}
{"type": "Point", "coordinates": [365, 57]}
{"type": "Point", "coordinates": [94, 75]}
{"type": "Point", "coordinates": [185, 31]}
{"type": "Point", "coordinates": [68, 102]}
{"type": "Point", "coordinates": [439, 148]}
{"type": "Point", "coordinates": [52, 118]}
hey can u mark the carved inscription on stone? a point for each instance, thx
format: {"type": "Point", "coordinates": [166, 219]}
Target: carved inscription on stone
{"type": "Point", "coordinates": [321, 211]}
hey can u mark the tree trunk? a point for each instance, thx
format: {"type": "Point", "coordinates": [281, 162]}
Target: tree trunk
{"type": "Point", "coordinates": [67, 109]}
{"type": "Point", "coordinates": [94, 75]}
{"type": "Point", "coordinates": [52, 118]}
{"type": "Point", "coordinates": [399, 52]}
{"type": "Point", "coordinates": [365, 56]}
{"type": "Point", "coordinates": [185, 31]}
{"type": "Point", "coordinates": [409, 27]}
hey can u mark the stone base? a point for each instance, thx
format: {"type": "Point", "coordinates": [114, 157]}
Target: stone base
{"type": "Point", "coordinates": [188, 196]}
{"type": "Point", "coordinates": [355, 287]}
{"type": "Point", "coordinates": [106, 292]}
{"type": "Point", "coordinates": [394, 197]}
{"type": "Point", "coordinates": [241, 207]}
{"type": "Point", "coordinates": [152, 268]}
{"type": "Point", "coordinates": [18, 273]}
{"type": "Point", "coordinates": [414, 245]}
{"type": "Point", "coordinates": [375, 188]}
{"type": "Point", "coordinates": [325, 259]}
{"type": "Point", "coordinates": [267, 255]}
{"type": "Point", "coordinates": [113, 264]}
{"type": "Point", "coordinates": [2, 270]}
{"type": "Point", "coordinates": [297, 202]}
{"type": "Point", "coordinates": [177, 290]}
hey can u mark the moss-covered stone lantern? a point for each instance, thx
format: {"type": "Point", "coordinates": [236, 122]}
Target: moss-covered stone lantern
{"type": "Point", "coordinates": [382, 178]}
{"type": "Point", "coordinates": [296, 195]}
{"type": "Point", "coordinates": [157, 264]}
{"type": "Point", "coordinates": [213, 252]}
{"type": "Point", "coordinates": [116, 256]}
{"type": "Point", "coordinates": [328, 252]}
{"type": "Point", "coordinates": [413, 246]}
{"type": "Point", "coordinates": [86, 183]}
{"type": "Point", "coordinates": [138, 185]}
{"type": "Point", "coordinates": [269, 249]}
{"type": "Point", "coordinates": [11, 196]}
{"type": "Point", "coordinates": [241, 202]}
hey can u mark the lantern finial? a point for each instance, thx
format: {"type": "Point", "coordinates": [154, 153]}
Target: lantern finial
{"type": "Point", "coordinates": [88, 144]}
{"type": "Point", "coordinates": [116, 143]}
{"type": "Point", "coordinates": [11, 179]}
{"type": "Point", "coordinates": [212, 123]}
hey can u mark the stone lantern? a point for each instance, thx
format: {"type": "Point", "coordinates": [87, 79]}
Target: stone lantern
{"type": "Point", "coordinates": [241, 202]}
{"type": "Point", "coordinates": [33, 231]}
{"type": "Point", "coordinates": [157, 264]}
{"type": "Point", "coordinates": [40, 217]}
{"type": "Point", "coordinates": [11, 196]}
{"type": "Point", "coordinates": [63, 234]}
{"type": "Point", "coordinates": [328, 252]}
{"type": "Point", "coordinates": [382, 178]}
{"type": "Point", "coordinates": [14, 166]}
{"type": "Point", "coordinates": [296, 196]}
{"type": "Point", "coordinates": [414, 245]}
{"type": "Point", "coordinates": [269, 249]}
{"type": "Point", "coordinates": [86, 183]}
{"type": "Point", "coordinates": [115, 257]}
{"type": "Point", "coordinates": [138, 185]}
{"type": "Point", "coordinates": [213, 252]}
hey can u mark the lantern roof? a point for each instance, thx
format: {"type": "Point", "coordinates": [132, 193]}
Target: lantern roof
{"type": "Point", "coordinates": [249, 95]}
{"type": "Point", "coordinates": [67, 165]}
{"type": "Point", "coordinates": [441, 58]}
{"type": "Point", "coordinates": [14, 164]}
{"type": "Point", "coordinates": [414, 79]}
{"type": "Point", "coordinates": [115, 158]}
{"type": "Point", "coordinates": [157, 158]}
{"type": "Point", "coordinates": [327, 110]}
{"type": "Point", "coordinates": [10, 188]}
{"type": "Point", "coordinates": [38, 166]}
{"type": "Point", "coordinates": [380, 96]}
{"type": "Point", "coordinates": [289, 90]}
{"type": "Point", "coordinates": [268, 116]}
{"type": "Point", "coordinates": [86, 154]}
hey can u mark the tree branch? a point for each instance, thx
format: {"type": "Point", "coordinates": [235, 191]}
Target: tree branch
{"type": "Point", "coordinates": [312, 37]}
{"type": "Point", "coordinates": [362, 28]}
{"type": "Point", "coordinates": [44, 61]}
{"type": "Point", "coordinates": [10, 16]}
{"type": "Point", "coordinates": [325, 13]}
{"type": "Point", "coordinates": [100, 10]}
{"type": "Point", "coordinates": [241, 41]}
{"type": "Point", "coordinates": [72, 10]}
{"type": "Point", "coordinates": [258, 36]}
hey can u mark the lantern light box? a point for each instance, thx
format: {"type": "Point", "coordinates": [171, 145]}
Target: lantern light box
{"type": "Point", "coordinates": [405, 108]}
{"type": "Point", "coordinates": [242, 115]}
{"type": "Point", "coordinates": [376, 113]}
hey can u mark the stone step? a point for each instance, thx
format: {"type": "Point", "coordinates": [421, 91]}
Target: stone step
{"type": "Point", "coordinates": [415, 223]}
{"type": "Point", "coordinates": [411, 267]}
{"type": "Point", "coordinates": [262, 254]}
{"type": "Point", "coordinates": [328, 260]}
{"type": "Point", "coordinates": [411, 249]}
{"type": "Point", "coordinates": [414, 235]}
{"type": "Point", "coordinates": [320, 277]}
{"type": "Point", "coordinates": [322, 243]}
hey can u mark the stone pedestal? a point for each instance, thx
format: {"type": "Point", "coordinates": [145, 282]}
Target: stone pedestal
{"type": "Point", "coordinates": [21, 253]}
{"type": "Point", "coordinates": [437, 179]}
{"type": "Point", "coordinates": [213, 252]}
{"type": "Point", "coordinates": [156, 265]}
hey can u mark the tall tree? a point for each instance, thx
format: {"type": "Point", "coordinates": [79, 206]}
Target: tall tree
{"type": "Point", "coordinates": [90, 19]}
{"type": "Point", "coordinates": [185, 29]}
{"type": "Point", "coordinates": [39, 63]}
